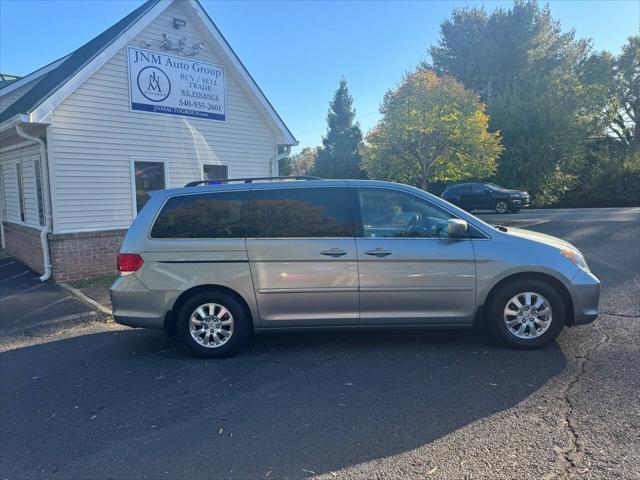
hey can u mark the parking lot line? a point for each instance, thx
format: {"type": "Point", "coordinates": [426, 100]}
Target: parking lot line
{"type": "Point", "coordinates": [15, 276]}
{"type": "Point", "coordinates": [4, 299]}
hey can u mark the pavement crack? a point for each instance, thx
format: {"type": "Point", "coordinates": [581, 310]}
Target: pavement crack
{"type": "Point", "coordinates": [624, 315]}
{"type": "Point", "coordinates": [571, 455]}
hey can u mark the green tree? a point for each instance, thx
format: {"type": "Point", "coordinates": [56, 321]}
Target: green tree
{"type": "Point", "coordinates": [529, 74]}
{"type": "Point", "coordinates": [623, 111]}
{"type": "Point", "coordinates": [617, 82]}
{"type": "Point", "coordinates": [432, 130]}
{"type": "Point", "coordinates": [339, 156]}
{"type": "Point", "coordinates": [611, 171]}
{"type": "Point", "coordinates": [544, 134]}
{"type": "Point", "coordinates": [285, 166]}
{"type": "Point", "coordinates": [490, 52]}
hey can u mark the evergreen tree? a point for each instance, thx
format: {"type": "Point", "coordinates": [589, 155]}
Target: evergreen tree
{"type": "Point", "coordinates": [339, 157]}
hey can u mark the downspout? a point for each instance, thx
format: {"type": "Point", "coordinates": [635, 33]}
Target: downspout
{"type": "Point", "coordinates": [276, 160]}
{"type": "Point", "coordinates": [44, 231]}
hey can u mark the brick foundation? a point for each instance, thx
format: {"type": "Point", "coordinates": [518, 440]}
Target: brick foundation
{"type": "Point", "coordinates": [23, 243]}
{"type": "Point", "coordinates": [76, 256]}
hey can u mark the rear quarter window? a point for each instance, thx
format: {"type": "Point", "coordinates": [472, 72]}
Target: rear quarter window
{"type": "Point", "coordinates": [203, 215]}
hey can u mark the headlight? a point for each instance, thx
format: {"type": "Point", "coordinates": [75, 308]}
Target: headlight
{"type": "Point", "coordinates": [576, 257]}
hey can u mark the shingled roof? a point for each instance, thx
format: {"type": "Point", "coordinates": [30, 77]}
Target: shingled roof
{"type": "Point", "coordinates": [7, 79]}
{"type": "Point", "coordinates": [54, 79]}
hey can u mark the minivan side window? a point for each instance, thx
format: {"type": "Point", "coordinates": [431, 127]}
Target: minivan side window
{"type": "Point", "coordinates": [300, 212]}
{"type": "Point", "coordinates": [202, 215]}
{"type": "Point", "coordinates": [388, 213]}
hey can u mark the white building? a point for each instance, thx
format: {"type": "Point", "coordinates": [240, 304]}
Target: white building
{"type": "Point", "coordinates": [157, 100]}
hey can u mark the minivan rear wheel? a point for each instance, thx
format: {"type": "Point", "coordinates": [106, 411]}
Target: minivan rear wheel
{"type": "Point", "coordinates": [213, 324]}
{"type": "Point", "coordinates": [526, 314]}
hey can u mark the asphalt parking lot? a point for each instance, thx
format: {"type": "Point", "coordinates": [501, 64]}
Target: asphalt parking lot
{"type": "Point", "coordinates": [29, 306]}
{"type": "Point", "coordinates": [102, 401]}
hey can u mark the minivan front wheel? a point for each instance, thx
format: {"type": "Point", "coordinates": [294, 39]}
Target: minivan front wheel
{"type": "Point", "coordinates": [527, 314]}
{"type": "Point", "coordinates": [213, 324]}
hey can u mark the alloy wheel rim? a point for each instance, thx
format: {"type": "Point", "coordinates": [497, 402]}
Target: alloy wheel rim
{"type": "Point", "coordinates": [527, 315]}
{"type": "Point", "coordinates": [501, 207]}
{"type": "Point", "coordinates": [211, 325]}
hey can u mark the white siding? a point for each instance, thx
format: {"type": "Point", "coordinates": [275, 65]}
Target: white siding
{"type": "Point", "coordinates": [94, 136]}
{"type": "Point", "coordinates": [8, 160]}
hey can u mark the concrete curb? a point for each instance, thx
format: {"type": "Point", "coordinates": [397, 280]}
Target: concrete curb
{"type": "Point", "coordinates": [85, 299]}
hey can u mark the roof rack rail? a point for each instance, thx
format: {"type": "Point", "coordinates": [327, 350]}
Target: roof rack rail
{"type": "Point", "coordinates": [248, 180]}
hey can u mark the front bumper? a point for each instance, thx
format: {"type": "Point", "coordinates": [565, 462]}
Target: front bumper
{"type": "Point", "coordinates": [586, 296]}
{"type": "Point", "coordinates": [520, 203]}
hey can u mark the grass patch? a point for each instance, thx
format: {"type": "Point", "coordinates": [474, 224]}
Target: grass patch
{"type": "Point", "coordinates": [103, 281]}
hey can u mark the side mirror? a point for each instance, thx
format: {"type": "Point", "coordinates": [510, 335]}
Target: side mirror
{"type": "Point", "coordinates": [457, 228]}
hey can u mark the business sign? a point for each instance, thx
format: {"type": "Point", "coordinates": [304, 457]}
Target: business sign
{"type": "Point", "coordinates": [175, 85]}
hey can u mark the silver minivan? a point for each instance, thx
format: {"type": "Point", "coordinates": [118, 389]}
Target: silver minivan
{"type": "Point", "coordinates": [215, 263]}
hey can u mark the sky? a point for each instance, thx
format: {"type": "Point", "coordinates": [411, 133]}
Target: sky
{"type": "Point", "coordinates": [298, 50]}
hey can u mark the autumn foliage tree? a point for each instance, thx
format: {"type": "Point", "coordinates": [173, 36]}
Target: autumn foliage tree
{"type": "Point", "coordinates": [432, 129]}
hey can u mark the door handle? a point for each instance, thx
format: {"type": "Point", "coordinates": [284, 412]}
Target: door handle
{"type": "Point", "coordinates": [334, 252]}
{"type": "Point", "coordinates": [378, 252]}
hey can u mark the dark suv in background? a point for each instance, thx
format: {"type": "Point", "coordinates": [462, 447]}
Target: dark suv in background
{"type": "Point", "coordinates": [486, 196]}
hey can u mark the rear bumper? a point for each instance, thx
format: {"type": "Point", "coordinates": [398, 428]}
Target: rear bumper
{"type": "Point", "coordinates": [156, 323]}
{"type": "Point", "coordinates": [586, 296]}
{"type": "Point", "coordinates": [135, 305]}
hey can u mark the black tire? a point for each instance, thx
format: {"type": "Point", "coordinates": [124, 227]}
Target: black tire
{"type": "Point", "coordinates": [501, 206]}
{"type": "Point", "coordinates": [498, 303]}
{"type": "Point", "coordinates": [241, 324]}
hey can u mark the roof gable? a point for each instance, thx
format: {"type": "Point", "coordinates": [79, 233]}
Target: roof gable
{"type": "Point", "coordinates": [55, 78]}
{"type": "Point", "coordinates": [84, 57]}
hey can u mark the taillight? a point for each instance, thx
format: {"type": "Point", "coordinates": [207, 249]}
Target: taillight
{"type": "Point", "coordinates": [129, 262]}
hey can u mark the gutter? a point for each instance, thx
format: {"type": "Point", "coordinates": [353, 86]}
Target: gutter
{"type": "Point", "coordinates": [276, 160]}
{"type": "Point", "coordinates": [44, 231]}
{"type": "Point", "coordinates": [14, 121]}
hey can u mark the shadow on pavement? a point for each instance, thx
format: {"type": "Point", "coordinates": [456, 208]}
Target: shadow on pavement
{"type": "Point", "coordinates": [134, 404]}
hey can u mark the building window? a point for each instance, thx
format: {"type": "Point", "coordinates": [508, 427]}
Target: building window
{"type": "Point", "coordinates": [37, 168]}
{"type": "Point", "coordinates": [149, 176]}
{"type": "Point", "coordinates": [214, 172]}
{"type": "Point", "coordinates": [20, 190]}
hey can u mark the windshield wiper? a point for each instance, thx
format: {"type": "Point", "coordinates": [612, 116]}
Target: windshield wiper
{"type": "Point", "coordinates": [502, 228]}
